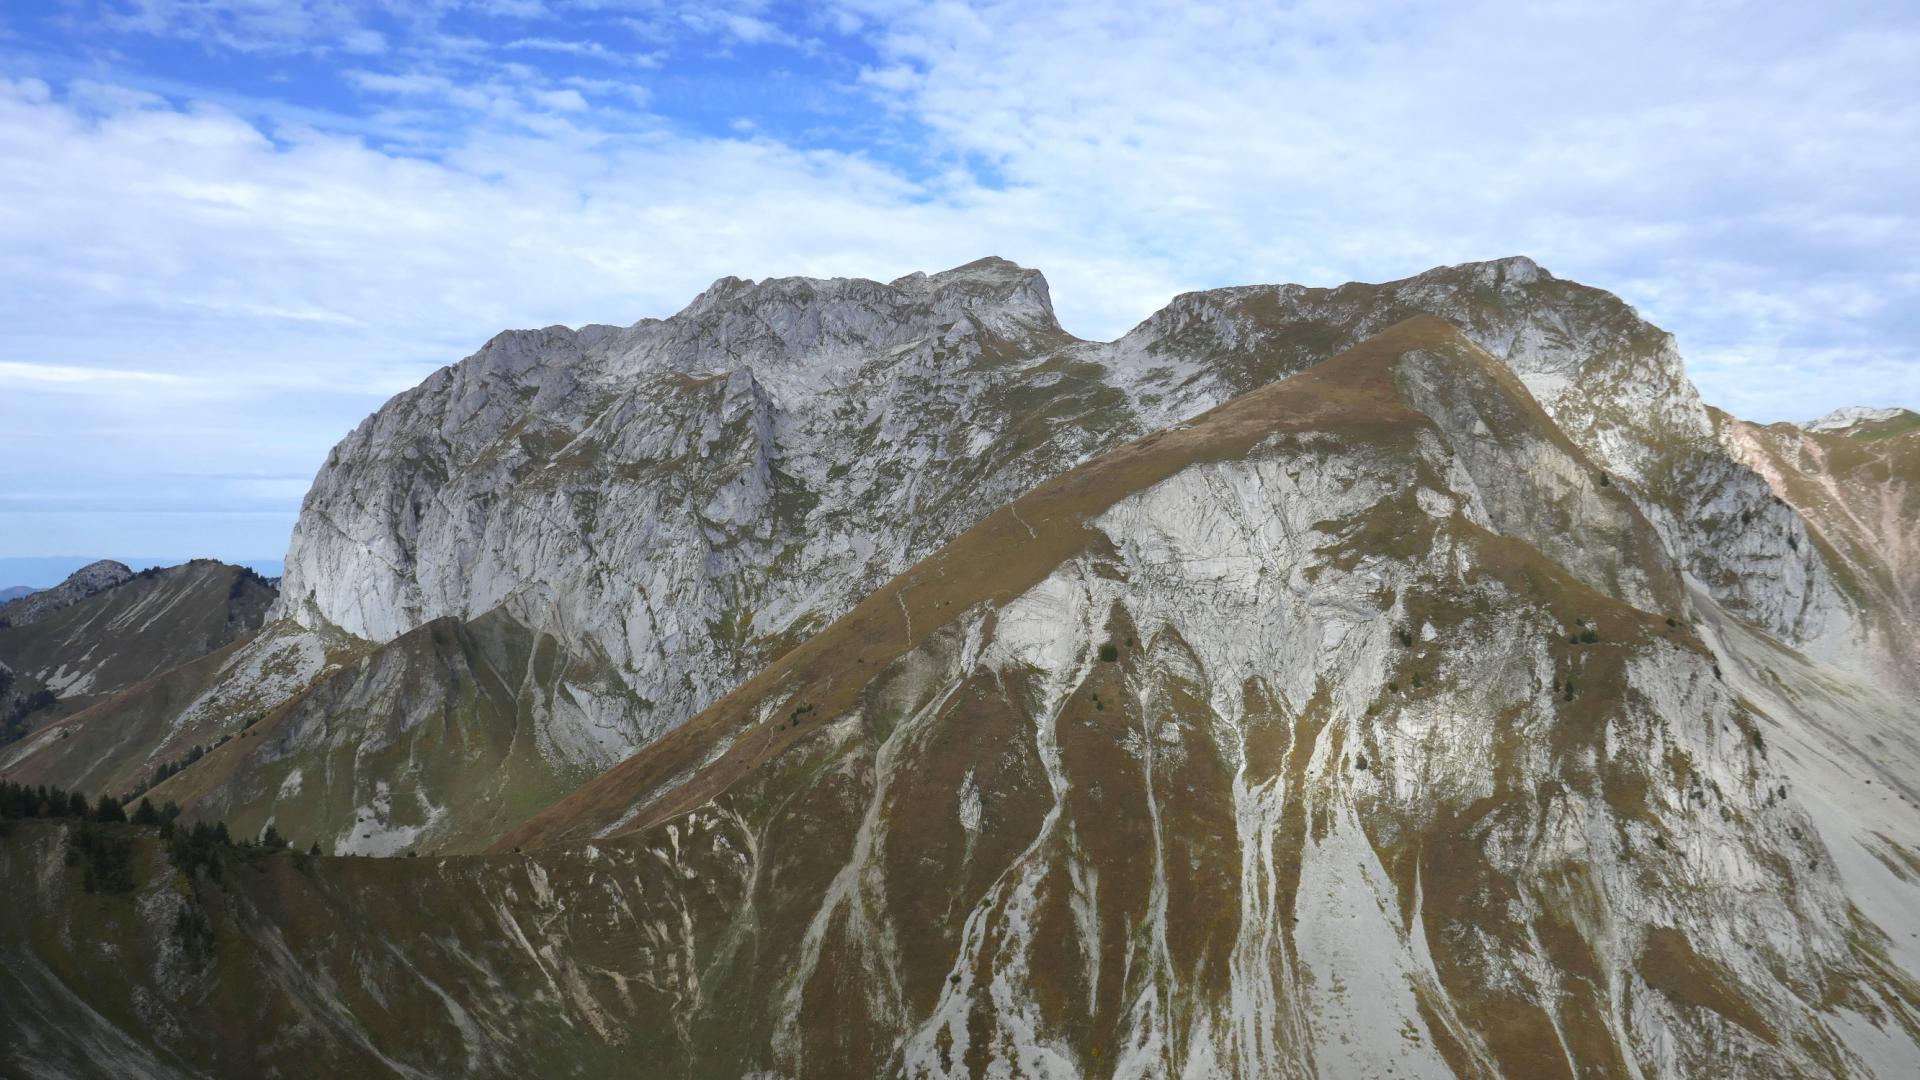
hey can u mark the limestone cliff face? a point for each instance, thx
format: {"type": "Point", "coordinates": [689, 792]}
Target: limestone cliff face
{"type": "Point", "coordinates": [1612, 382]}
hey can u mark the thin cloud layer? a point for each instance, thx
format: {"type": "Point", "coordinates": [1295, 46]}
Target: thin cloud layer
{"type": "Point", "coordinates": [236, 226]}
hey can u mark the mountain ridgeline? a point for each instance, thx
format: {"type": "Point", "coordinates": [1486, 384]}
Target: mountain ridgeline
{"type": "Point", "coordinates": [846, 678]}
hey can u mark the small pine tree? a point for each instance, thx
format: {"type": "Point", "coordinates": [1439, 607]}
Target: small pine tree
{"type": "Point", "coordinates": [1109, 652]}
{"type": "Point", "coordinates": [108, 809]}
{"type": "Point", "coordinates": [315, 849]}
{"type": "Point", "coordinates": [145, 814]}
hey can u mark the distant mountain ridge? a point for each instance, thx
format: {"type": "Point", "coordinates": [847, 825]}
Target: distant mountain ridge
{"type": "Point", "coordinates": [41, 572]}
{"type": "Point", "coordinates": [104, 633]}
{"type": "Point", "coordinates": [1855, 416]}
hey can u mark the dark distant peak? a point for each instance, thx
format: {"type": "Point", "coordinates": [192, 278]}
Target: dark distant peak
{"type": "Point", "coordinates": [101, 574]}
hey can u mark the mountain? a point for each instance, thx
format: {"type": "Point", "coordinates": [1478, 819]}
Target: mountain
{"type": "Point", "coordinates": [26, 698]}
{"type": "Point", "coordinates": [103, 638]}
{"type": "Point", "coordinates": [1854, 479]}
{"type": "Point", "coordinates": [1855, 418]}
{"type": "Point", "coordinates": [1365, 724]}
{"type": "Point", "coordinates": [515, 575]}
{"type": "Point", "coordinates": [90, 579]}
{"type": "Point", "coordinates": [638, 519]}
{"type": "Point", "coordinates": [15, 592]}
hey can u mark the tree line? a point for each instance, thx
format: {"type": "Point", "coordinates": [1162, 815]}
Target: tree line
{"type": "Point", "coordinates": [106, 855]}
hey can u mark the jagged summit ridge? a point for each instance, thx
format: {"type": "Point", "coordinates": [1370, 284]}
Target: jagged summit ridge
{"type": "Point", "coordinates": [1853, 416]}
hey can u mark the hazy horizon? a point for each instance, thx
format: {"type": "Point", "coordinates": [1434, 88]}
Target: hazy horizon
{"type": "Point", "coordinates": [41, 572]}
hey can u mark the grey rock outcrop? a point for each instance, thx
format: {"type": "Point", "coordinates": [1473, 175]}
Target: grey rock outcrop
{"type": "Point", "coordinates": [93, 578]}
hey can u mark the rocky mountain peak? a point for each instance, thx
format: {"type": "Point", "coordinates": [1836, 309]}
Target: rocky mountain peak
{"type": "Point", "coordinates": [1267, 702]}
{"type": "Point", "coordinates": [1512, 270]}
{"type": "Point", "coordinates": [800, 319]}
{"type": "Point", "coordinates": [992, 289]}
{"type": "Point", "coordinates": [1853, 416]}
{"type": "Point", "coordinates": [95, 577]}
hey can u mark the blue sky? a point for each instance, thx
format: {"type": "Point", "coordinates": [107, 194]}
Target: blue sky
{"type": "Point", "coordinates": [229, 229]}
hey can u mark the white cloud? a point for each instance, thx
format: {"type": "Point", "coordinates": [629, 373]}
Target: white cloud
{"type": "Point", "coordinates": [590, 49]}
{"type": "Point", "coordinates": [568, 100]}
{"type": "Point", "coordinates": [84, 379]}
{"type": "Point", "coordinates": [364, 42]}
{"type": "Point", "coordinates": [1741, 170]}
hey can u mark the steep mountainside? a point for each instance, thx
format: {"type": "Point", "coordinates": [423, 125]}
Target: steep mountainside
{"type": "Point", "coordinates": [1854, 478]}
{"type": "Point", "coordinates": [111, 645]}
{"type": "Point", "coordinates": [1361, 726]}
{"type": "Point", "coordinates": [651, 514]}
